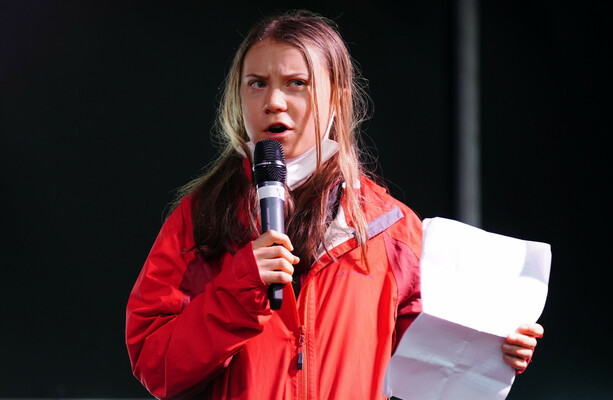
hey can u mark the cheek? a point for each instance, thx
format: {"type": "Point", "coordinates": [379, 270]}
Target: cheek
{"type": "Point", "coordinates": [248, 115]}
{"type": "Point", "coordinates": [303, 112]}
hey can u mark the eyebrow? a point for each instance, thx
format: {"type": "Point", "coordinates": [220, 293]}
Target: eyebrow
{"type": "Point", "coordinates": [294, 75]}
{"type": "Point", "coordinates": [253, 76]}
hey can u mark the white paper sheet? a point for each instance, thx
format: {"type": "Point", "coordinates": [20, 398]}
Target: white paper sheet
{"type": "Point", "coordinates": [476, 288]}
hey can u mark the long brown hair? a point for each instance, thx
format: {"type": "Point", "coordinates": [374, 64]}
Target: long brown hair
{"type": "Point", "coordinates": [225, 206]}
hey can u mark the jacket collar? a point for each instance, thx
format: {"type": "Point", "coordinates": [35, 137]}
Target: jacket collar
{"type": "Point", "coordinates": [340, 237]}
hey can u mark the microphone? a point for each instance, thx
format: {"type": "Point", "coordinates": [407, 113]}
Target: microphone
{"type": "Point", "coordinates": [269, 172]}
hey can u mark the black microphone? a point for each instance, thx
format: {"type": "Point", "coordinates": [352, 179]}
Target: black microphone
{"type": "Point", "coordinates": [269, 173]}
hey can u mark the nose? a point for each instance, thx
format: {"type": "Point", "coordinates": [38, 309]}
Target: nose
{"type": "Point", "coordinates": [275, 101]}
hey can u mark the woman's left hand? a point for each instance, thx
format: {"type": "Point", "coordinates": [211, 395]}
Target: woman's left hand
{"type": "Point", "coordinates": [518, 348]}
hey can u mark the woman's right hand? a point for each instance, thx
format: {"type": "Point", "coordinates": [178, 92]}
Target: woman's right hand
{"type": "Point", "coordinates": [275, 263]}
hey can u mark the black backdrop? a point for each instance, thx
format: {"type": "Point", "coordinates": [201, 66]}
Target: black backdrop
{"type": "Point", "coordinates": [106, 108]}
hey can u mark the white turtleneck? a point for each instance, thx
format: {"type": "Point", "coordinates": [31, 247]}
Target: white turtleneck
{"type": "Point", "coordinates": [300, 168]}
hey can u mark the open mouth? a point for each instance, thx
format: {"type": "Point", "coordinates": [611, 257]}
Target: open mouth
{"type": "Point", "coordinates": [277, 128]}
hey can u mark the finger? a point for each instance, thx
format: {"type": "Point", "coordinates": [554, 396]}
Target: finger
{"type": "Point", "coordinates": [276, 270]}
{"type": "Point", "coordinates": [273, 252]}
{"type": "Point", "coordinates": [517, 363]}
{"type": "Point", "coordinates": [534, 330]}
{"type": "Point", "coordinates": [521, 340]}
{"type": "Point", "coordinates": [276, 264]}
{"type": "Point", "coordinates": [517, 351]}
{"type": "Point", "coordinates": [270, 277]}
{"type": "Point", "coordinates": [270, 238]}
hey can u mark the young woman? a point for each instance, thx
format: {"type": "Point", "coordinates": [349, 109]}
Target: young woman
{"type": "Point", "coordinates": [199, 323]}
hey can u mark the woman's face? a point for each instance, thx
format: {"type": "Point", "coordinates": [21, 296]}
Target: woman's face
{"type": "Point", "coordinates": [276, 96]}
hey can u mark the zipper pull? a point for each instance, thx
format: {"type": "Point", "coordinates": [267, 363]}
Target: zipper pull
{"type": "Point", "coordinates": [300, 360]}
{"type": "Point", "coordinates": [301, 354]}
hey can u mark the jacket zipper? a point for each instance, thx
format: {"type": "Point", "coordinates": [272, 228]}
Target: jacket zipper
{"type": "Point", "coordinates": [302, 321]}
{"type": "Point", "coordinates": [301, 353]}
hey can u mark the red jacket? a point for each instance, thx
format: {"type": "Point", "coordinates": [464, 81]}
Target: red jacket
{"type": "Point", "coordinates": [205, 330]}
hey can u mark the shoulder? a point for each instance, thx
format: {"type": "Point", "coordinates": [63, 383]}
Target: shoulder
{"type": "Point", "coordinates": [182, 213]}
{"type": "Point", "coordinates": [407, 228]}
{"type": "Point", "coordinates": [378, 198]}
{"type": "Point", "coordinates": [178, 227]}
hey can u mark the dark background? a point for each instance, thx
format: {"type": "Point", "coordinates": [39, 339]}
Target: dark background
{"type": "Point", "coordinates": [106, 108]}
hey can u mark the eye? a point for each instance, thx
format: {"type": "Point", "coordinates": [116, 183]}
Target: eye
{"type": "Point", "coordinates": [256, 84]}
{"type": "Point", "coordinates": [297, 83]}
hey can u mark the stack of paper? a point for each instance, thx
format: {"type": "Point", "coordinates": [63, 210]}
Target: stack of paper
{"type": "Point", "coordinates": [477, 287]}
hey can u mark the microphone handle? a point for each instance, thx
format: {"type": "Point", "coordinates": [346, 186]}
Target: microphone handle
{"type": "Point", "coordinates": [272, 214]}
{"type": "Point", "coordinates": [272, 217]}
{"type": "Point", "coordinates": [275, 295]}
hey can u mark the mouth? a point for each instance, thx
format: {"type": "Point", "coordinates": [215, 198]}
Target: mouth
{"type": "Point", "coordinates": [277, 128]}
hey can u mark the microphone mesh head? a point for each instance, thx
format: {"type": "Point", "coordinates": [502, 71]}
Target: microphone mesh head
{"type": "Point", "coordinates": [269, 162]}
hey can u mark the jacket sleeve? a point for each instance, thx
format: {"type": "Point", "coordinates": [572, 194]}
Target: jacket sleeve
{"type": "Point", "coordinates": [177, 348]}
{"type": "Point", "coordinates": [405, 253]}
